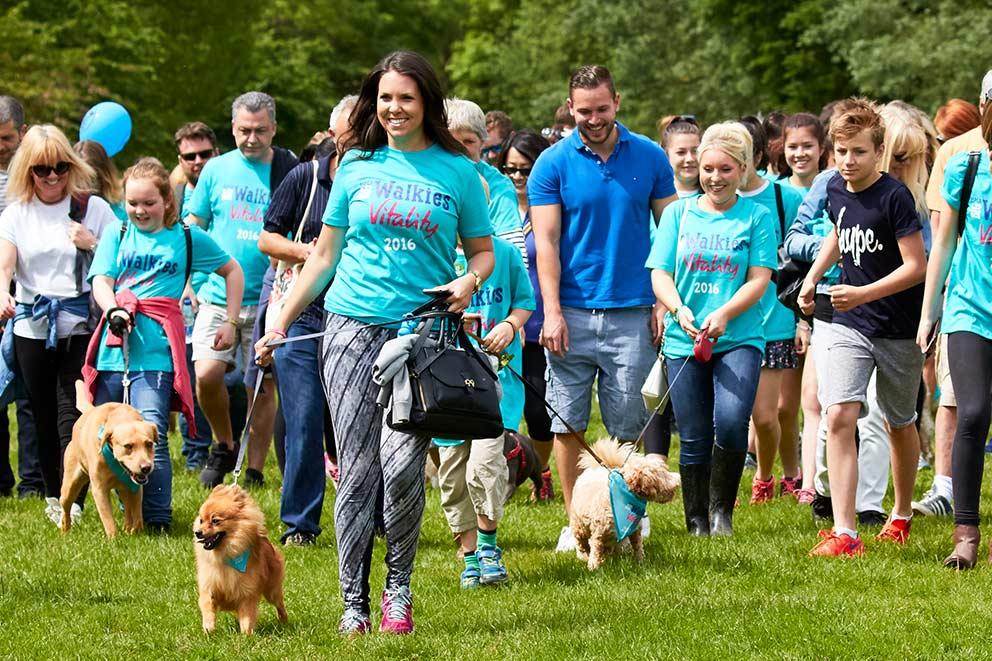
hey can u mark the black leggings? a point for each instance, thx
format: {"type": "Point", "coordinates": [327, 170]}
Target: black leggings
{"type": "Point", "coordinates": [535, 411]}
{"type": "Point", "coordinates": [50, 379]}
{"type": "Point", "coordinates": [970, 358]}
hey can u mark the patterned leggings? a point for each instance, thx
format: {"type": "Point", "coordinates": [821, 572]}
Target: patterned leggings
{"type": "Point", "coordinates": [371, 456]}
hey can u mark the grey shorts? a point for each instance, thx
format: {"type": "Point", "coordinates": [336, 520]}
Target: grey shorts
{"type": "Point", "coordinates": [614, 347]}
{"type": "Point", "coordinates": [847, 364]}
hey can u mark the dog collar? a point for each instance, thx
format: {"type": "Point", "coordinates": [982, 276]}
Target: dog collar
{"type": "Point", "coordinates": [115, 466]}
{"type": "Point", "coordinates": [239, 562]}
{"type": "Point", "coordinates": [628, 508]}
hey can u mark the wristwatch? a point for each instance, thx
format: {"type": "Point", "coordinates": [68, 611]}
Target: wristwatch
{"type": "Point", "coordinates": [478, 281]}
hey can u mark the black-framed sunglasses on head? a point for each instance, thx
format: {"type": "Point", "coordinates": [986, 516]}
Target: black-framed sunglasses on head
{"type": "Point", "coordinates": [509, 171]}
{"type": "Point", "coordinates": [191, 156]}
{"type": "Point", "coordinates": [59, 168]}
{"type": "Point", "coordinates": [688, 119]}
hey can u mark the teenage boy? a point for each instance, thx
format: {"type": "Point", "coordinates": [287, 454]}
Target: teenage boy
{"type": "Point", "coordinates": [877, 235]}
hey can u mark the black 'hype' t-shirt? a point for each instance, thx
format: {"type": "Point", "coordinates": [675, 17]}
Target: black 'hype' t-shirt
{"type": "Point", "coordinates": [869, 224]}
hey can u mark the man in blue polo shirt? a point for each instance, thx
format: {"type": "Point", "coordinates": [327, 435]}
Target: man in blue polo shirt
{"type": "Point", "coordinates": [591, 200]}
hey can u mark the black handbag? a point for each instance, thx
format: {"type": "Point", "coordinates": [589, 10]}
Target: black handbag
{"type": "Point", "coordinates": [453, 386]}
{"type": "Point", "coordinates": [791, 273]}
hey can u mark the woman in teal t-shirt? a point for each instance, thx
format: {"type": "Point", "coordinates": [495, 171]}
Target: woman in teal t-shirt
{"type": "Point", "coordinates": [967, 322]}
{"type": "Point", "coordinates": [147, 257]}
{"type": "Point", "coordinates": [405, 191]}
{"type": "Point", "coordinates": [711, 261]}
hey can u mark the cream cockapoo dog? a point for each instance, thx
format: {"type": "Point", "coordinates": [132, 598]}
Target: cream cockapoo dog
{"type": "Point", "coordinates": [591, 517]}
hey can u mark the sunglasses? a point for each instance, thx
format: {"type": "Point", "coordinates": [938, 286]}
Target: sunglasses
{"type": "Point", "coordinates": [43, 171]}
{"type": "Point", "coordinates": [509, 171]}
{"type": "Point", "coordinates": [688, 119]}
{"type": "Point", "coordinates": [191, 156]}
{"type": "Point", "coordinates": [902, 158]}
{"type": "Point", "coordinates": [492, 149]}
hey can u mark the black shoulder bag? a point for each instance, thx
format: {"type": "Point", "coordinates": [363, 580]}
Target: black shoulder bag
{"type": "Point", "coordinates": [791, 273]}
{"type": "Point", "coordinates": [966, 186]}
{"type": "Point", "coordinates": [453, 386]}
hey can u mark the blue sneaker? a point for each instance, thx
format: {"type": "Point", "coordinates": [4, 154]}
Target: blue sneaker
{"type": "Point", "coordinates": [470, 578]}
{"type": "Point", "coordinates": [988, 447]}
{"type": "Point", "coordinates": [493, 571]}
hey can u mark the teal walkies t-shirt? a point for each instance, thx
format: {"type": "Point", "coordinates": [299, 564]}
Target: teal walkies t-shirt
{"type": "Point", "coordinates": [232, 195]}
{"type": "Point", "coordinates": [709, 255]}
{"type": "Point", "coordinates": [779, 321]}
{"type": "Point", "coordinates": [968, 303]}
{"type": "Point", "coordinates": [503, 211]}
{"type": "Point", "coordinates": [150, 265]}
{"type": "Point", "coordinates": [507, 288]}
{"type": "Point", "coordinates": [403, 212]}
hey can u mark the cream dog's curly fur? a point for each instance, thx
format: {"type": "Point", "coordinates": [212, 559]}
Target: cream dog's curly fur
{"type": "Point", "coordinates": [591, 518]}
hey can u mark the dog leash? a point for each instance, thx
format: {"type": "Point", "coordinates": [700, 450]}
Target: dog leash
{"type": "Point", "coordinates": [126, 378]}
{"type": "Point", "coordinates": [245, 435]}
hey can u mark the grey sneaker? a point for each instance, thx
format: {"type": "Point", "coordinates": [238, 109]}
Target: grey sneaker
{"type": "Point", "coordinates": [354, 623]}
{"type": "Point", "coordinates": [933, 504]}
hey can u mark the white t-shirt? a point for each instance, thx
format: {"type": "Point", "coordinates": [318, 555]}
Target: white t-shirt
{"type": "Point", "coordinates": [46, 257]}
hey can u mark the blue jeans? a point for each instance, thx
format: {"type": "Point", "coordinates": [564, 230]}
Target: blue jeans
{"type": "Point", "coordinates": [713, 401]}
{"type": "Point", "coordinates": [303, 404]}
{"type": "Point", "coordinates": [150, 394]}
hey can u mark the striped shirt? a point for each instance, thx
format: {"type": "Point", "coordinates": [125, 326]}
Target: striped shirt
{"type": "Point", "coordinates": [4, 176]}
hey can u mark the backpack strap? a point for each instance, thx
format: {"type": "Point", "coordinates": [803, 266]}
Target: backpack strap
{"type": "Point", "coordinates": [780, 203]}
{"type": "Point", "coordinates": [189, 250]}
{"type": "Point", "coordinates": [78, 204]}
{"type": "Point", "coordinates": [179, 192]}
{"type": "Point", "coordinates": [967, 185]}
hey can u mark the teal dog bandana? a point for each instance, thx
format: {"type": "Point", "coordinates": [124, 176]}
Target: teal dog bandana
{"type": "Point", "coordinates": [628, 508]}
{"type": "Point", "coordinates": [115, 466]}
{"type": "Point", "coordinates": [239, 562]}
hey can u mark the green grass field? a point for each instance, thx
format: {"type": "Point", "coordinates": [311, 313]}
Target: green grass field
{"type": "Point", "coordinates": [753, 596]}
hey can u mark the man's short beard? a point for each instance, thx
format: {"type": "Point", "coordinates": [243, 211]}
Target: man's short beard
{"type": "Point", "coordinates": [585, 135]}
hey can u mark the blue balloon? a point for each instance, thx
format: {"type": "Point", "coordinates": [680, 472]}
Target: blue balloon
{"type": "Point", "coordinates": [109, 124]}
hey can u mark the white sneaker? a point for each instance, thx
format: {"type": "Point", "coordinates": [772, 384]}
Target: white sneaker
{"type": "Point", "coordinates": [566, 541]}
{"type": "Point", "coordinates": [53, 510]}
{"type": "Point", "coordinates": [645, 528]}
{"type": "Point", "coordinates": [75, 513]}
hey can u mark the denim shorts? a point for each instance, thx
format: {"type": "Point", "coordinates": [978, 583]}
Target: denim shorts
{"type": "Point", "coordinates": [614, 347]}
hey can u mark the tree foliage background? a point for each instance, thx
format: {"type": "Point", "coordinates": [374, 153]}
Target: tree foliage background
{"type": "Point", "coordinates": [173, 62]}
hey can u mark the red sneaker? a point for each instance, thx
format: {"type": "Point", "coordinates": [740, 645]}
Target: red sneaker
{"type": "Point", "coordinates": [789, 486]}
{"type": "Point", "coordinates": [805, 496]}
{"type": "Point", "coordinates": [895, 530]}
{"type": "Point", "coordinates": [833, 545]}
{"type": "Point", "coordinates": [762, 491]}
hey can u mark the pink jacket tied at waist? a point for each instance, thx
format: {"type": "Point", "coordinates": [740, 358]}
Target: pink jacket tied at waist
{"type": "Point", "coordinates": [166, 312]}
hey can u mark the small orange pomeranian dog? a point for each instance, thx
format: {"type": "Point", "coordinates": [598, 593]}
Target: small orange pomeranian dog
{"type": "Point", "coordinates": [236, 564]}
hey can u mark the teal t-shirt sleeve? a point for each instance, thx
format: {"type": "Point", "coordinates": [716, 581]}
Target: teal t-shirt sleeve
{"type": "Point", "coordinates": [473, 219]}
{"type": "Point", "coordinates": [199, 202]}
{"type": "Point", "coordinates": [763, 251]}
{"type": "Point", "coordinates": [207, 255]}
{"type": "Point", "coordinates": [544, 184]}
{"type": "Point", "coordinates": [521, 289]}
{"type": "Point", "coordinates": [187, 197]}
{"type": "Point", "coordinates": [503, 213]}
{"type": "Point", "coordinates": [105, 256]}
{"type": "Point", "coordinates": [954, 179]}
{"type": "Point", "coordinates": [664, 245]}
{"type": "Point", "coordinates": [336, 211]}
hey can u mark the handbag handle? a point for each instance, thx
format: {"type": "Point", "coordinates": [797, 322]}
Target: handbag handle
{"type": "Point", "coordinates": [306, 212]}
{"type": "Point", "coordinates": [455, 319]}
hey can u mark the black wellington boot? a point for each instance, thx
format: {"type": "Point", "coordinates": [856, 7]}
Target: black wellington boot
{"type": "Point", "coordinates": [724, 483]}
{"type": "Point", "coordinates": [696, 498]}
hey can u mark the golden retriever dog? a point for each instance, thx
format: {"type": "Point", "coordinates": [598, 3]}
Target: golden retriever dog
{"type": "Point", "coordinates": [591, 518]}
{"type": "Point", "coordinates": [236, 564]}
{"type": "Point", "coordinates": [112, 447]}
